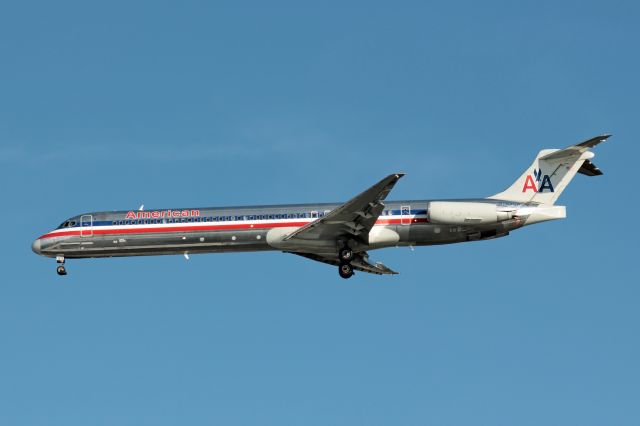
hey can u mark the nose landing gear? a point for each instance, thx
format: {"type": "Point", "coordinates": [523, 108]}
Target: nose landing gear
{"type": "Point", "coordinates": [61, 270]}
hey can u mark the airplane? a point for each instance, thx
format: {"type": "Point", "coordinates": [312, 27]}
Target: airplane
{"type": "Point", "coordinates": [337, 234]}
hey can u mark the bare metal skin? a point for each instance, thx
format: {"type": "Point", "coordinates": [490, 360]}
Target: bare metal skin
{"type": "Point", "coordinates": [340, 234]}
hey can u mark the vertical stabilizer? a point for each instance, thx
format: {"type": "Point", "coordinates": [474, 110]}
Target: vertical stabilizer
{"type": "Point", "coordinates": [550, 173]}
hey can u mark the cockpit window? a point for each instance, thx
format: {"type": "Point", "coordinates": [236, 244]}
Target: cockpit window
{"type": "Point", "coordinates": [68, 224]}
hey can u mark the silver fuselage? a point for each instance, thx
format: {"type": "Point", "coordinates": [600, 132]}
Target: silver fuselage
{"type": "Point", "coordinates": [251, 228]}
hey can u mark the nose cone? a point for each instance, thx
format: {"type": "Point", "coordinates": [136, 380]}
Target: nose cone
{"type": "Point", "coordinates": [36, 246]}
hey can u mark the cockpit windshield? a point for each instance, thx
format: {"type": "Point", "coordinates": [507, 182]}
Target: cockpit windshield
{"type": "Point", "coordinates": [67, 224]}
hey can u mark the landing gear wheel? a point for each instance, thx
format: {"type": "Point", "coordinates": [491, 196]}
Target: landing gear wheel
{"type": "Point", "coordinates": [345, 254]}
{"type": "Point", "coordinates": [61, 270]}
{"type": "Point", "coordinates": [345, 270]}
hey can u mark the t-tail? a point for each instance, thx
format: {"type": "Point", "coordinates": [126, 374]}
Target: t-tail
{"type": "Point", "coordinates": [551, 172]}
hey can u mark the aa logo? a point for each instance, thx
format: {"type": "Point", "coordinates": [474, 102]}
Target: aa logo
{"type": "Point", "coordinates": [537, 182]}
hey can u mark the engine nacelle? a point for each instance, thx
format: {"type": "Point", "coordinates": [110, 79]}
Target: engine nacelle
{"type": "Point", "coordinates": [466, 213]}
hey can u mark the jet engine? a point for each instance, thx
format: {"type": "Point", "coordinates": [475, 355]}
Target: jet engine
{"type": "Point", "coordinates": [466, 213]}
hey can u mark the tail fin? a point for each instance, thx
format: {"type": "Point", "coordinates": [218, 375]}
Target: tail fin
{"type": "Point", "coordinates": [551, 172]}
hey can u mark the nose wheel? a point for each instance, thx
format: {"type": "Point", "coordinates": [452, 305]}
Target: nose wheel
{"type": "Point", "coordinates": [61, 270]}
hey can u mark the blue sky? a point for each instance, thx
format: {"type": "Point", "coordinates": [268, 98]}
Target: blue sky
{"type": "Point", "coordinates": [108, 106]}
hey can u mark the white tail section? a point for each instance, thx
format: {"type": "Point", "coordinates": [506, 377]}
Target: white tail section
{"type": "Point", "coordinates": [550, 173]}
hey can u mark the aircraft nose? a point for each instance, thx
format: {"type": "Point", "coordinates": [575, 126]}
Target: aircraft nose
{"type": "Point", "coordinates": [36, 246]}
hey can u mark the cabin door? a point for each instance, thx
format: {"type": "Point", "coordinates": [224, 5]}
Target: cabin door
{"type": "Point", "coordinates": [405, 215]}
{"type": "Point", "coordinates": [86, 225]}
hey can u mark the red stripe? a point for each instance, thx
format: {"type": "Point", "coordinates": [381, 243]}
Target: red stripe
{"type": "Point", "coordinates": [207, 228]}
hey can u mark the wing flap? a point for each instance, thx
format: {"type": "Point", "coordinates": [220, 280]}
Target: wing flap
{"type": "Point", "coordinates": [359, 263]}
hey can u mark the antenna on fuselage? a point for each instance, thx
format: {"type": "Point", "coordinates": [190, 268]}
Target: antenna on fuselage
{"type": "Point", "coordinates": [141, 207]}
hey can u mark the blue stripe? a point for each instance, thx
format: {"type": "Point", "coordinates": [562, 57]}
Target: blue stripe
{"type": "Point", "coordinates": [397, 212]}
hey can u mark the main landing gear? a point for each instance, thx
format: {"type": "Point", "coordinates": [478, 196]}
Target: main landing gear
{"type": "Point", "coordinates": [345, 270]}
{"type": "Point", "coordinates": [61, 270]}
{"type": "Point", "coordinates": [345, 256]}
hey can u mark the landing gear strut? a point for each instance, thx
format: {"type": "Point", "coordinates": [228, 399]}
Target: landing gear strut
{"type": "Point", "coordinates": [345, 270]}
{"type": "Point", "coordinates": [61, 270]}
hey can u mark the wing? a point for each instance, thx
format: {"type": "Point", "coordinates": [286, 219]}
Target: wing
{"type": "Point", "coordinates": [360, 262]}
{"type": "Point", "coordinates": [355, 218]}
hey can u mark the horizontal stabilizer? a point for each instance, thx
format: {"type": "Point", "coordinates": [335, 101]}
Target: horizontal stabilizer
{"type": "Point", "coordinates": [589, 169]}
{"type": "Point", "coordinates": [576, 149]}
{"type": "Point", "coordinates": [593, 141]}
